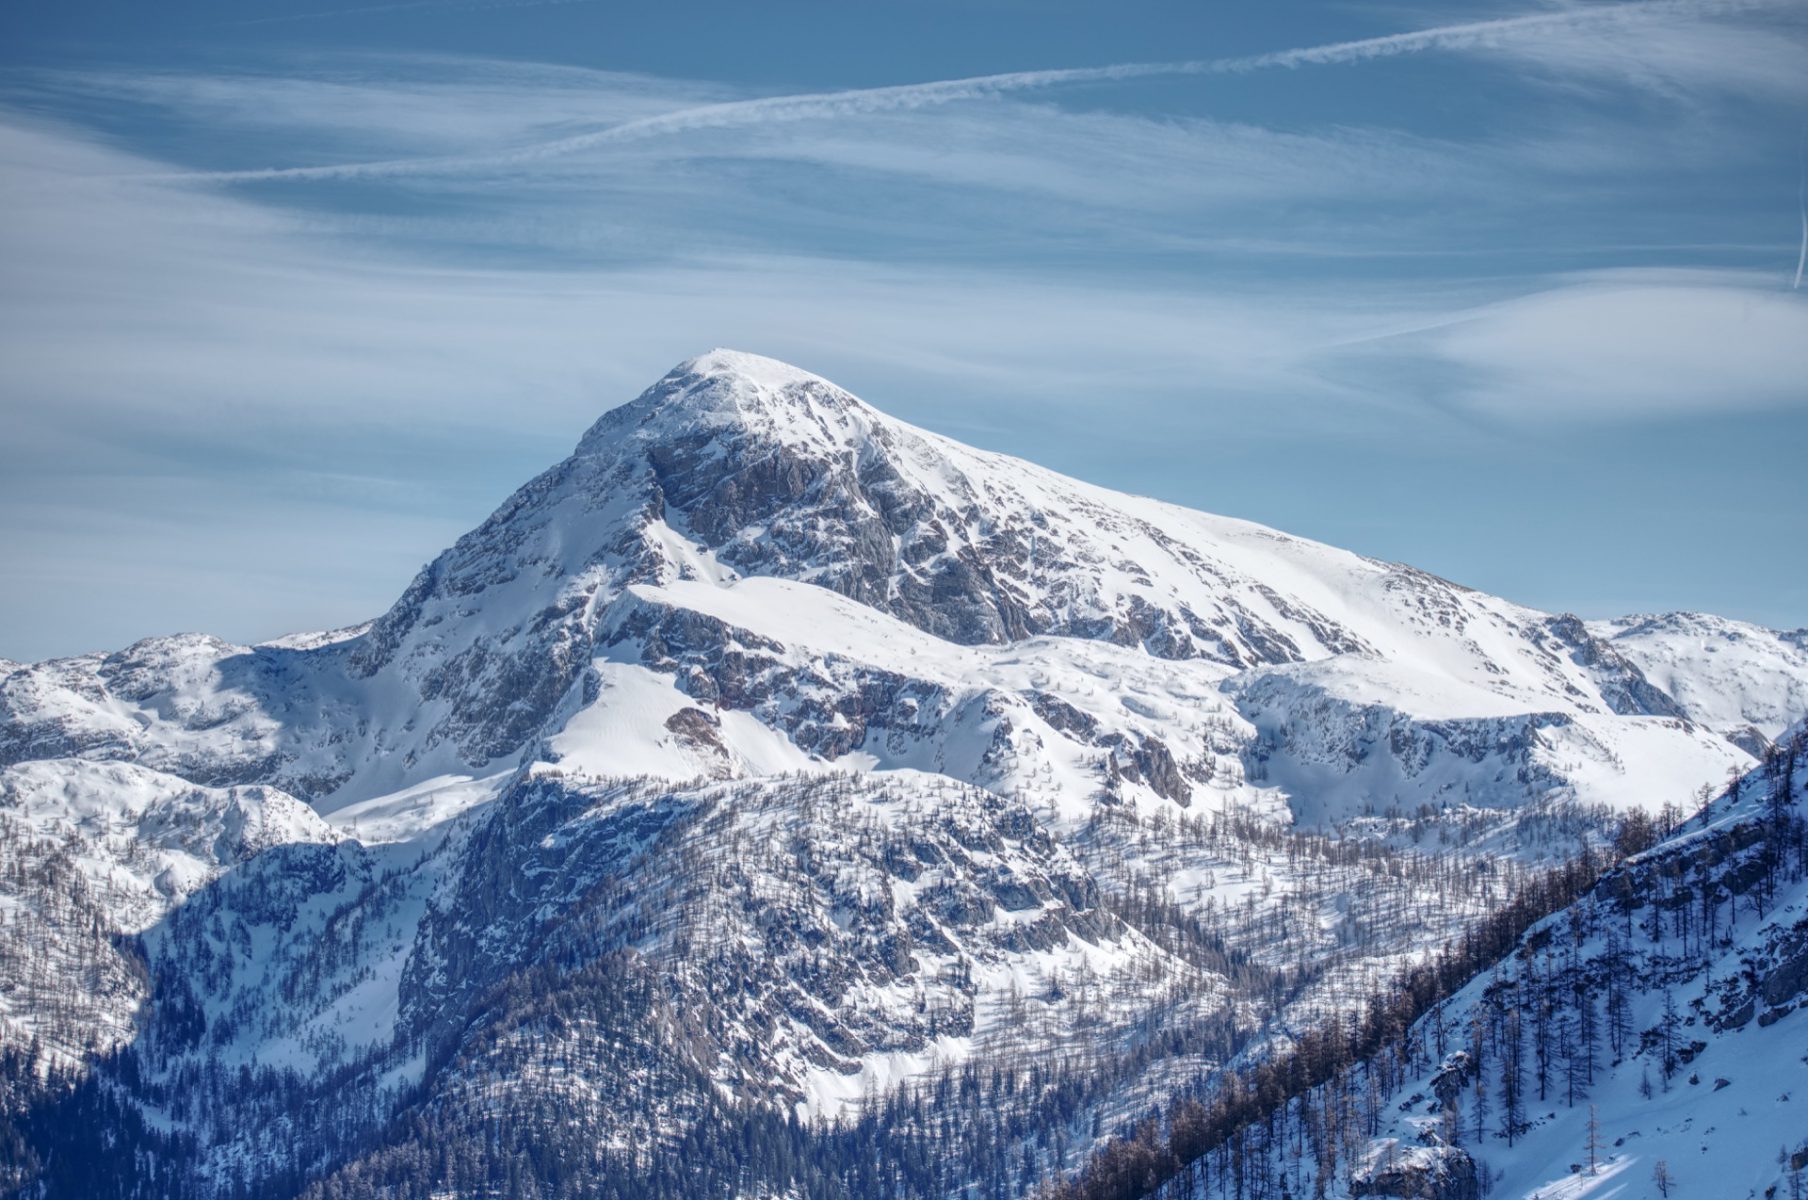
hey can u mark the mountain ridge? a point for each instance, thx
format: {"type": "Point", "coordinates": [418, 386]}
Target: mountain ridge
{"type": "Point", "coordinates": [734, 466]}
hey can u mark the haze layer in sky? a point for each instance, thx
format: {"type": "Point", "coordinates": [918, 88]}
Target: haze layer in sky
{"type": "Point", "coordinates": [295, 292]}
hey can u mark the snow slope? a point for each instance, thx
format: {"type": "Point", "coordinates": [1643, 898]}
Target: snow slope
{"type": "Point", "coordinates": [1727, 1118]}
{"type": "Point", "coordinates": [1727, 675]}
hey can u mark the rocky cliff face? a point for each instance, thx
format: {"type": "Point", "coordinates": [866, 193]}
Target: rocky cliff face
{"type": "Point", "coordinates": [1393, 1170]}
{"type": "Point", "coordinates": [804, 927]}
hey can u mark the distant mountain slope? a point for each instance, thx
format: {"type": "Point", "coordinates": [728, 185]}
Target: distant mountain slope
{"type": "Point", "coordinates": [102, 849]}
{"type": "Point", "coordinates": [1728, 675]}
{"type": "Point", "coordinates": [1645, 1041]}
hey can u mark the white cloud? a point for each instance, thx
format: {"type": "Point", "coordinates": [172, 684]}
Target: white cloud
{"type": "Point", "coordinates": [1537, 35]}
{"type": "Point", "coordinates": [1677, 58]}
{"type": "Point", "coordinates": [1625, 345]}
{"type": "Point", "coordinates": [970, 178]}
{"type": "Point", "coordinates": [392, 103]}
{"type": "Point", "coordinates": [134, 306]}
{"type": "Point", "coordinates": [138, 298]}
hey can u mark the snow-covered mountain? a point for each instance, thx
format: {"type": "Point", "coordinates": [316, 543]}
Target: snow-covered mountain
{"type": "Point", "coordinates": [740, 496]}
{"type": "Point", "coordinates": [840, 755]}
{"type": "Point", "coordinates": [99, 849]}
{"type": "Point", "coordinates": [1731, 676]}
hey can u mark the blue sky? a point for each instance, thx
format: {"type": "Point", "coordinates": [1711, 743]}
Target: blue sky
{"type": "Point", "coordinates": [294, 293]}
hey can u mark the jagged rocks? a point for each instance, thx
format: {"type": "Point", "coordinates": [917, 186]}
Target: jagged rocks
{"type": "Point", "coordinates": [1456, 1073]}
{"type": "Point", "coordinates": [1391, 1168]}
{"type": "Point", "coordinates": [701, 732]}
{"type": "Point", "coordinates": [1147, 760]}
{"type": "Point", "coordinates": [1064, 717]}
{"type": "Point", "coordinates": [1622, 685]}
{"type": "Point", "coordinates": [803, 923]}
{"type": "Point", "coordinates": [1789, 978]}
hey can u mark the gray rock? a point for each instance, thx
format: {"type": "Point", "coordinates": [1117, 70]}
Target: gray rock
{"type": "Point", "coordinates": [1392, 1169]}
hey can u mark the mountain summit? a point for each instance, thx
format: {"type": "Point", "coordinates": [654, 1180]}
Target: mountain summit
{"type": "Point", "coordinates": [733, 389]}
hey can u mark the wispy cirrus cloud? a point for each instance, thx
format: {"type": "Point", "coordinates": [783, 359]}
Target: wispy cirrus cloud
{"type": "Point", "coordinates": [350, 103]}
{"type": "Point", "coordinates": [1673, 56]}
{"type": "Point", "coordinates": [1539, 35]}
{"type": "Point", "coordinates": [137, 308]}
{"type": "Point", "coordinates": [1030, 176]}
{"type": "Point", "coordinates": [1606, 347]}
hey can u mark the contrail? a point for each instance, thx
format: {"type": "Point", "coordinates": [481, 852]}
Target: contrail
{"type": "Point", "coordinates": [726, 115]}
{"type": "Point", "coordinates": [403, 6]}
{"type": "Point", "coordinates": [901, 97]}
{"type": "Point", "coordinates": [1801, 204]}
{"type": "Point", "coordinates": [1474, 34]}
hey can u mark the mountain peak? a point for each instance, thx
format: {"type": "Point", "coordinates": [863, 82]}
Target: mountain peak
{"type": "Point", "coordinates": [753, 369]}
{"type": "Point", "coordinates": [732, 389]}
